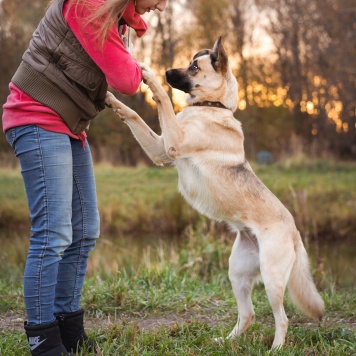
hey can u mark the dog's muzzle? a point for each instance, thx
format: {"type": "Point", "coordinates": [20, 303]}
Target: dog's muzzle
{"type": "Point", "coordinates": [178, 80]}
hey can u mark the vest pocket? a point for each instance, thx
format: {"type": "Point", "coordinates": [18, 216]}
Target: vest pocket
{"type": "Point", "coordinates": [80, 74]}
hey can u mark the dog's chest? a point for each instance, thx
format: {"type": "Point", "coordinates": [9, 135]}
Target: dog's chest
{"type": "Point", "coordinates": [194, 186]}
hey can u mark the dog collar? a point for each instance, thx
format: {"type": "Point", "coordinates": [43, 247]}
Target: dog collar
{"type": "Point", "coordinates": [215, 104]}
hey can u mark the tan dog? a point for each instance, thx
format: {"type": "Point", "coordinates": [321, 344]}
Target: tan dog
{"type": "Point", "coordinates": [205, 143]}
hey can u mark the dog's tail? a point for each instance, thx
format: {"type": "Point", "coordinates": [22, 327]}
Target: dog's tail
{"type": "Point", "coordinates": [301, 286]}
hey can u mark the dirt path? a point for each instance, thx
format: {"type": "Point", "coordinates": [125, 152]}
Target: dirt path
{"type": "Point", "coordinates": [14, 321]}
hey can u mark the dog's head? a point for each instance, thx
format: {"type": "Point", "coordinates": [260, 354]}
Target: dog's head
{"type": "Point", "coordinates": [207, 78]}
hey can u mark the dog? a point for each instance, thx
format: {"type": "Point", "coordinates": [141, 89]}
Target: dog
{"type": "Point", "coordinates": [205, 143]}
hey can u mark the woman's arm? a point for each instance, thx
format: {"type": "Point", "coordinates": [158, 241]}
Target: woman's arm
{"type": "Point", "coordinates": [122, 72]}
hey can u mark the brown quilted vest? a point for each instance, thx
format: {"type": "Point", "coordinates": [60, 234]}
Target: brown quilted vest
{"type": "Point", "coordinates": [56, 71]}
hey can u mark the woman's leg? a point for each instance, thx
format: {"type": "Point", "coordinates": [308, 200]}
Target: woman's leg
{"type": "Point", "coordinates": [46, 167]}
{"type": "Point", "coordinates": [72, 267]}
{"type": "Point", "coordinates": [85, 224]}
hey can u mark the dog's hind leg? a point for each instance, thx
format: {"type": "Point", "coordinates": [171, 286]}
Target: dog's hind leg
{"type": "Point", "coordinates": [243, 271]}
{"type": "Point", "coordinates": [277, 257]}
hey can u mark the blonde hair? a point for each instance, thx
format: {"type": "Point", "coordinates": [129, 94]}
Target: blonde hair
{"type": "Point", "coordinates": [107, 15]}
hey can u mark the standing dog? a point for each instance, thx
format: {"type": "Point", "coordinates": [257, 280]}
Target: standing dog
{"type": "Point", "coordinates": [205, 143]}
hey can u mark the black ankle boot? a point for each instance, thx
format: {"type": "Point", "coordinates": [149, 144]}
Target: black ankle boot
{"type": "Point", "coordinates": [45, 340]}
{"type": "Point", "coordinates": [72, 332]}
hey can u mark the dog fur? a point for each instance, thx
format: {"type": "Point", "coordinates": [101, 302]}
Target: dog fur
{"type": "Point", "coordinates": [206, 145]}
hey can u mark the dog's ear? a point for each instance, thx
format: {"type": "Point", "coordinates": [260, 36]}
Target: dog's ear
{"type": "Point", "coordinates": [219, 59]}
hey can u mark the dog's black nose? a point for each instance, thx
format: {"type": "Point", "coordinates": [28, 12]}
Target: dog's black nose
{"type": "Point", "coordinates": [168, 73]}
{"type": "Point", "coordinates": [173, 75]}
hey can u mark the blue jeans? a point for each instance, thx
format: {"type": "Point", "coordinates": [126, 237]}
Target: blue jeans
{"type": "Point", "coordinates": [60, 188]}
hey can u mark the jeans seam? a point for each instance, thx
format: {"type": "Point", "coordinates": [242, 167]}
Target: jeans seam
{"type": "Point", "coordinates": [77, 182]}
{"type": "Point", "coordinates": [40, 267]}
{"type": "Point", "coordinates": [11, 133]}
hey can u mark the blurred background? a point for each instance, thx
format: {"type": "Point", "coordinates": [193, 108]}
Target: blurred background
{"type": "Point", "coordinates": [295, 62]}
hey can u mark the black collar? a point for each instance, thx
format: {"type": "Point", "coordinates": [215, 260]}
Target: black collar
{"type": "Point", "coordinates": [215, 104]}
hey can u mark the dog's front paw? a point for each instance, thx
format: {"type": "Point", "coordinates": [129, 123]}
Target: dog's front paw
{"type": "Point", "coordinates": [146, 70]}
{"type": "Point", "coordinates": [109, 99]}
{"type": "Point", "coordinates": [119, 108]}
{"type": "Point", "coordinates": [149, 77]}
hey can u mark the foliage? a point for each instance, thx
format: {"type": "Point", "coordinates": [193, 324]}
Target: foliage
{"type": "Point", "coordinates": [267, 128]}
{"type": "Point", "coordinates": [315, 64]}
{"type": "Point", "coordinates": [18, 20]}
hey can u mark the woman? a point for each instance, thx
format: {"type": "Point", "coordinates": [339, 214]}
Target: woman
{"type": "Point", "coordinates": [60, 85]}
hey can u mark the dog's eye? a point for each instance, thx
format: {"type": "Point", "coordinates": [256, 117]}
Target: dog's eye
{"type": "Point", "coordinates": [194, 67]}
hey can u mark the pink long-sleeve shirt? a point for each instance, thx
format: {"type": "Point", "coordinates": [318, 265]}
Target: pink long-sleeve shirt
{"type": "Point", "coordinates": [121, 71]}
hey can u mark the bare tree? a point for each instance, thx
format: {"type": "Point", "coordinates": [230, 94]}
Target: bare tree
{"type": "Point", "coordinates": [18, 19]}
{"type": "Point", "coordinates": [315, 44]}
{"type": "Point", "coordinates": [338, 64]}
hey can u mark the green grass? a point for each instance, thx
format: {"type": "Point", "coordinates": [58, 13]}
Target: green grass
{"type": "Point", "coordinates": [186, 294]}
{"type": "Point", "coordinates": [204, 310]}
{"type": "Point", "coordinates": [321, 196]}
{"type": "Point", "coordinates": [173, 297]}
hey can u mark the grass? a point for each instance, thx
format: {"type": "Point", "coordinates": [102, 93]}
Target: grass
{"type": "Point", "coordinates": [173, 297]}
{"type": "Point", "coordinates": [321, 195]}
{"type": "Point", "coordinates": [178, 301]}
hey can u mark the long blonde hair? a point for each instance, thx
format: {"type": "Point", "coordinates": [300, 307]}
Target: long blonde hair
{"type": "Point", "coordinates": [107, 15]}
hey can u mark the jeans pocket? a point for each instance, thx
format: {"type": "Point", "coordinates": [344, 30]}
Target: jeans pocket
{"type": "Point", "coordinates": [10, 136]}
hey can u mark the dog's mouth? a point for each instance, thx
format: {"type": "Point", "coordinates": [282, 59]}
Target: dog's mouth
{"type": "Point", "coordinates": [178, 80]}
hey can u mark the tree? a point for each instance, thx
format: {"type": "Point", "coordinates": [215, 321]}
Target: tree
{"type": "Point", "coordinates": [316, 65]}
{"type": "Point", "coordinates": [337, 19]}
{"type": "Point", "coordinates": [164, 39]}
{"type": "Point", "coordinates": [18, 20]}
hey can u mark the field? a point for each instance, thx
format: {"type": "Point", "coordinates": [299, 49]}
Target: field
{"type": "Point", "coordinates": [321, 196]}
{"type": "Point", "coordinates": [172, 296]}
